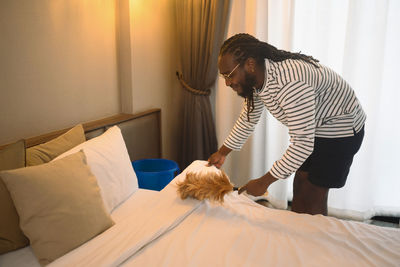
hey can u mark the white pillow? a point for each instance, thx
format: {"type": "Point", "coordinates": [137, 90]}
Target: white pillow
{"type": "Point", "coordinates": [109, 161]}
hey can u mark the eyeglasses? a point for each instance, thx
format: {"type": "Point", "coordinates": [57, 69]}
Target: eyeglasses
{"type": "Point", "coordinates": [228, 76]}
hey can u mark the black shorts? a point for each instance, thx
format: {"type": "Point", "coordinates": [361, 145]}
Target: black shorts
{"type": "Point", "coordinates": [329, 163]}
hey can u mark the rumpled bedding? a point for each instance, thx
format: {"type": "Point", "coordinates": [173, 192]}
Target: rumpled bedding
{"type": "Point", "coordinates": [168, 231]}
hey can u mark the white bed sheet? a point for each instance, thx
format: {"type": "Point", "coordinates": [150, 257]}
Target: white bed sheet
{"type": "Point", "coordinates": [162, 230]}
{"type": "Point", "coordinates": [134, 231]}
{"type": "Point", "coordinates": [172, 232]}
{"type": "Point", "coordinates": [243, 233]}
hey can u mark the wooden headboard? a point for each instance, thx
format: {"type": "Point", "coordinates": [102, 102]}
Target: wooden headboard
{"type": "Point", "coordinates": [141, 132]}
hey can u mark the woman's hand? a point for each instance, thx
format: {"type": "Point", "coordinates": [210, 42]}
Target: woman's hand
{"type": "Point", "coordinates": [258, 187]}
{"type": "Point", "coordinates": [218, 158]}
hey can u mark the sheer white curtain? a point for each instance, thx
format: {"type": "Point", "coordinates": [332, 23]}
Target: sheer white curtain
{"type": "Point", "coordinates": [270, 139]}
{"type": "Point", "coordinates": [359, 39]}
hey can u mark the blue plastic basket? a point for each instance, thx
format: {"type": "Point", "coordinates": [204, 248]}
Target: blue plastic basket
{"type": "Point", "coordinates": [155, 174]}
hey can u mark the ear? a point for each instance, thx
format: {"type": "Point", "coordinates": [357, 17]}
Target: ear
{"type": "Point", "coordinates": [250, 65]}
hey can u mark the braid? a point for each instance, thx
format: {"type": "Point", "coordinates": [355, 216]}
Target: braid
{"type": "Point", "coordinates": [243, 45]}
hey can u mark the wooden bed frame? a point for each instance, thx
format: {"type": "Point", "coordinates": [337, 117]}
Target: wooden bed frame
{"type": "Point", "coordinates": [141, 132]}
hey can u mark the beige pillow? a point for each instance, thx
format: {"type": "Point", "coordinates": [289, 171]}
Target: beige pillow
{"type": "Point", "coordinates": [59, 205]}
{"type": "Point", "coordinates": [46, 152]}
{"type": "Point", "coordinates": [12, 156]}
{"type": "Point", "coordinates": [11, 236]}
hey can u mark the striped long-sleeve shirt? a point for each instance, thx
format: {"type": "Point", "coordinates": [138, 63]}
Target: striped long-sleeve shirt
{"type": "Point", "coordinates": [311, 102]}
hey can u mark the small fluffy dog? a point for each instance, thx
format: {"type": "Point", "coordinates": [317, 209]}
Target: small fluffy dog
{"type": "Point", "coordinates": [206, 183]}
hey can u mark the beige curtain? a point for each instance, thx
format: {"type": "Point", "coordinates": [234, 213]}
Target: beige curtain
{"type": "Point", "coordinates": [201, 28]}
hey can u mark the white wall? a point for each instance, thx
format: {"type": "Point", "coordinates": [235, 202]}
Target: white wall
{"type": "Point", "coordinates": [57, 65]}
{"type": "Point", "coordinates": [64, 62]}
{"type": "Point", "coordinates": [154, 57]}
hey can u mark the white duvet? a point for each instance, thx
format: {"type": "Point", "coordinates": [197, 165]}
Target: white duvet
{"type": "Point", "coordinates": [172, 232]}
{"type": "Point", "coordinates": [163, 230]}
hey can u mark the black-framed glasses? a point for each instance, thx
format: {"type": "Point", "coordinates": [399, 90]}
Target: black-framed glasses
{"type": "Point", "coordinates": [229, 76]}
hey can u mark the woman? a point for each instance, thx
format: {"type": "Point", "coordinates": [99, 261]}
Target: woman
{"type": "Point", "coordinates": [323, 115]}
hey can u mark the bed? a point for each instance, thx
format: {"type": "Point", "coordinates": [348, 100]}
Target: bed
{"type": "Point", "coordinates": [152, 228]}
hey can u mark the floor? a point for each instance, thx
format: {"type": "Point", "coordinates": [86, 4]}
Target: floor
{"type": "Point", "coordinates": [385, 221]}
{"type": "Point", "coordinates": [377, 220]}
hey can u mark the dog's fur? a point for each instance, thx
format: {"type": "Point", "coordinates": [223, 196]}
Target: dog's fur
{"type": "Point", "coordinates": [205, 185]}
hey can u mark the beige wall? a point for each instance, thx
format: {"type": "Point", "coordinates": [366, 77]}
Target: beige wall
{"type": "Point", "coordinates": [64, 62]}
{"type": "Point", "coordinates": [58, 65]}
{"type": "Point", "coordinates": [154, 57]}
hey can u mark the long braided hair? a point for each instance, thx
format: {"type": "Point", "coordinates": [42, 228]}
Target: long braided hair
{"type": "Point", "coordinates": [243, 45]}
